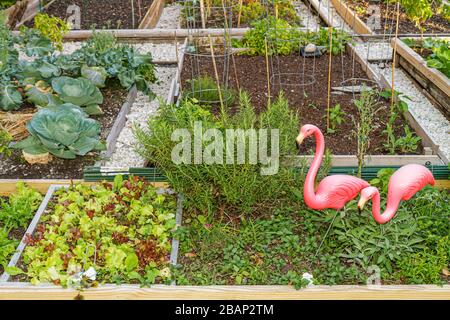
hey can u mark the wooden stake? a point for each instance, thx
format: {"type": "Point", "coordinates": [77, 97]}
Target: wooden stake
{"type": "Point", "coordinates": [202, 13]}
{"type": "Point", "coordinates": [267, 70]}
{"type": "Point", "coordinates": [329, 77]}
{"type": "Point", "coordinates": [394, 58]}
{"type": "Point", "coordinates": [216, 74]}
{"type": "Point", "coordinates": [240, 13]}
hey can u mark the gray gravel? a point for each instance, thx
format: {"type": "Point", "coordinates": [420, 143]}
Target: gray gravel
{"type": "Point", "coordinates": [142, 109]}
{"type": "Point", "coordinates": [170, 18]}
{"type": "Point", "coordinates": [309, 20]}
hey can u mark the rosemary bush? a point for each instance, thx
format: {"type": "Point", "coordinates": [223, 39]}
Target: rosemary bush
{"type": "Point", "coordinates": [231, 187]}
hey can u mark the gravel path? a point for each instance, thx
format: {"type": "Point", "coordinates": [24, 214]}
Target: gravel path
{"type": "Point", "coordinates": [371, 51]}
{"type": "Point", "coordinates": [309, 19]}
{"type": "Point", "coordinates": [425, 113]}
{"type": "Point", "coordinates": [170, 18]}
{"type": "Point", "coordinates": [142, 109]}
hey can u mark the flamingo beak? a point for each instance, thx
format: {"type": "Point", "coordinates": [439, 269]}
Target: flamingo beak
{"type": "Point", "coordinates": [299, 140]}
{"type": "Point", "coordinates": [362, 201]}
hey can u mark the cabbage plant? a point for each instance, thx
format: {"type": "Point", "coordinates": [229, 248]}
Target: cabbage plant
{"type": "Point", "coordinates": [80, 92]}
{"type": "Point", "coordinates": [64, 131]}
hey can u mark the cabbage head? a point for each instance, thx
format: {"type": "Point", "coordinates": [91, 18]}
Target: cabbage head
{"type": "Point", "coordinates": [65, 131]}
{"type": "Point", "coordinates": [80, 92]}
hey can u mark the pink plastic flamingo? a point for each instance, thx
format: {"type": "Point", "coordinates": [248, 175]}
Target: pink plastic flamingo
{"type": "Point", "coordinates": [403, 185]}
{"type": "Point", "coordinates": [334, 191]}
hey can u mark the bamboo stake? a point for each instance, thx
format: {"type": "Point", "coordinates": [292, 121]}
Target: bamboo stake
{"type": "Point", "coordinates": [217, 75]}
{"type": "Point", "coordinates": [132, 13]}
{"type": "Point", "coordinates": [329, 78]}
{"type": "Point", "coordinates": [394, 58]}
{"type": "Point", "coordinates": [268, 71]}
{"type": "Point", "coordinates": [202, 13]}
{"type": "Point", "coordinates": [240, 13]}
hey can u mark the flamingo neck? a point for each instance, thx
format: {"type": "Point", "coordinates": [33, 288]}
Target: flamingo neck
{"type": "Point", "coordinates": [388, 214]}
{"type": "Point", "coordinates": [308, 191]}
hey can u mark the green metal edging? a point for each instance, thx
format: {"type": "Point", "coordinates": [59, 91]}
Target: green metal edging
{"type": "Point", "coordinates": [94, 174]}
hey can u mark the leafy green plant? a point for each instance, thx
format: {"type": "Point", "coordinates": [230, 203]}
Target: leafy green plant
{"type": "Point", "coordinates": [19, 209]}
{"type": "Point", "coordinates": [382, 180]}
{"type": "Point", "coordinates": [283, 38]}
{"type": "Point", "coordinates": [426, 266]}
{"type": "Point", "coordinates": [114, 233]}
{"type": "Point", "coordinates": [80, 92]}
{"type": "Point", "coordinates": [5, 139]}
{"type": "Point", "coordinates": [52, 27]}
{"type": "Point", "coordinates": [65, 132]}
{"type": "Point", "coordinates": [409, 142]}
{"type": "Point", "coordinates": [10, 98]}
{"type": "Point", "coordinates": [336, 118]}
{"type": "Point", "coordinates": [7, 247]}
{"type": "Point", "coordinates": [4, 4]}
{"type": "Point", "coordinates": [440, 58]}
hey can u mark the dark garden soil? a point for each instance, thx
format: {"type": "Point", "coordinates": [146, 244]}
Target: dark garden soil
{"type": "Point", "coordinates": [109, 14]}
{"type": "Point", "coordinates": [309, 101]}
{"type": "Point", "coordinates": [436, 24]}
{"type": "Point", "coordinates": [15, 167]}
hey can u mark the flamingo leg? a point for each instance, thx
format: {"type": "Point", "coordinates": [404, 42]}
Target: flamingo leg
{"type": "Point", "coordinates": [326, 233]}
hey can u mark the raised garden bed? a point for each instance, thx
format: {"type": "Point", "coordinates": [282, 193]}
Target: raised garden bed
{"type": "Point", "coordinates": [138, 251]}
{"type": "Point", "coordinates": [356, 14]}
{"type": "Point", "coordinates": [115, 99]}
{"type": "Point", "coordinates": [309, 101]}
{"type": "Point", "coordinates": [233, 14]}
{"type": "Point", "coordinates": [112, 100]}
{"type": "Point", "coordinates": [413, 60]}
{"type": "Point", "coordinates": [116, 14]}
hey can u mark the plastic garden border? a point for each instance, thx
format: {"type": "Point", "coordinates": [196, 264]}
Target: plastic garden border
{"type": "Point", "coordinates": [5, 277]}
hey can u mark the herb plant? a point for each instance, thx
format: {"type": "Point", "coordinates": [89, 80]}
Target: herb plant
{"type": "Point", "coordinates": [237, 186]}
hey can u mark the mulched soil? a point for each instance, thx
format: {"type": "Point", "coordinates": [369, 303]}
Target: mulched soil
{"type": "Point", "coordinates": [309, 101]}
{"type": "Point", "coordinates": [109, 14]}
{"type": "Point", "coordinates": [437, 24]}
{"type": "Point", "coordinates": [15, 166]}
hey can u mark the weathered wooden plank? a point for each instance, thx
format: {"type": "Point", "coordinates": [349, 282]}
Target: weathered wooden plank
{"type": "Point", "coordinates": [119, 123]}
{"type": "Point", "coordinates": [432, 92]}
{"type": "Point", "coordinates": [153, 14]}
{"type": "Point", "coordinates": [162, 292]}
{"type": "Point", "coordinates": [8, 186]}
{"type": "Point", "coordinates": [435, 76]}
{"type": "Point", "coordinates": [15, 13]}
{"type": "Point", "coordinates": [351, 18]}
